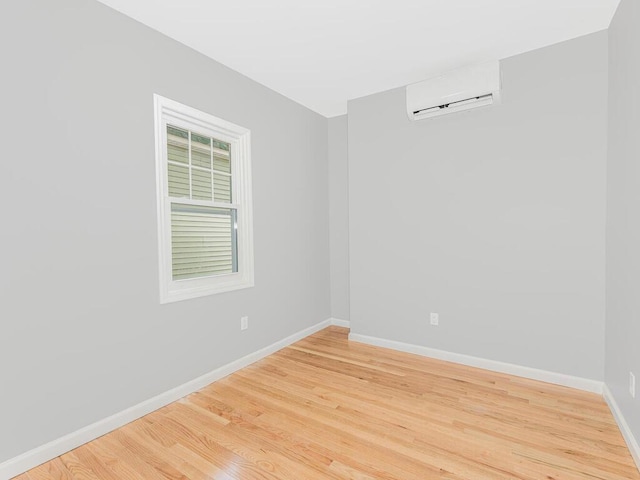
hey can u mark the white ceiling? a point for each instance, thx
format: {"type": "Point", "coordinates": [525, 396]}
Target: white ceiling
{"type": "Point", "coordinates": [322, 53]}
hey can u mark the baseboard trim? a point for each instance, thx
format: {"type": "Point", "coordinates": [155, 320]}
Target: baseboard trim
{"type": "Point", "coordinates": [632, 443]}
{"type": "Point", "coordinates": [493, 365]}
{"type": "Point", "coordinates": [32, 458]}
{"type": "Point", "coordinates": [338, 322]}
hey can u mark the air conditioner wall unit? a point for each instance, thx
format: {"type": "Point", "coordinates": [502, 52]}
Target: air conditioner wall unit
{"type": "Point", "coordinates": [458, 90]}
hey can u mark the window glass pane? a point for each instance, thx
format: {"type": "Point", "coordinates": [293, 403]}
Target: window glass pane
{"type": "Point", "coordinates": [222, 187]}
{"type": "Point", "coordinates": [178, 181]}
{"type": "Point", "coordinates": [177, 145]}
{"type": "Point", "coordinates": [221, 156]}
{"type": "Point", "coordinates": [200, 151]}
{"type": "Point", "coordinates": [201, 184]}
{"type": "Point", "coordinates": [203, 241]}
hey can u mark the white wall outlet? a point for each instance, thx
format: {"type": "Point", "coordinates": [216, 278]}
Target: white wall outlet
{"type": "Point", "coordinates": [244, 323]}
{"type": "Point", "coordinates": [632, 384]}
{"type": "Point", "coordinates": [435, 318]}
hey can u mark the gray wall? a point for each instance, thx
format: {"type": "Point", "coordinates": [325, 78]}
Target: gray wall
{"type": "Point", "coordinates": [493, 218]}
{"type": "Point", "coordinates": [623, 212]}
{"type": "Point", "coordinates": [339, 216]}
{"type": "Point", "coordinates": [83, 335]}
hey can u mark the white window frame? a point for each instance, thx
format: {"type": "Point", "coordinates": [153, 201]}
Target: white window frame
{"type": "Point", "coordinates": [176, 114]}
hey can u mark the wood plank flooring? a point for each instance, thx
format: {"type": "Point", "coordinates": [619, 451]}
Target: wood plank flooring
{"type": "Point", "coordinates": [325, 408]}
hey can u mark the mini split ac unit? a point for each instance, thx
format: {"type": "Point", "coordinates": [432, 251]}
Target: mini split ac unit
{"type": "Point", "coordinates": [458, 90]}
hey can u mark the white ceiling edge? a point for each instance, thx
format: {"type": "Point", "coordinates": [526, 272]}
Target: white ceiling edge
{"type": "Point", "coordinates": [321, 54]}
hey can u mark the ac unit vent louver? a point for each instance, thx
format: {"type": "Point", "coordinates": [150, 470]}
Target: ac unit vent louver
{"type": "Point", "coordinates": [459, 90]}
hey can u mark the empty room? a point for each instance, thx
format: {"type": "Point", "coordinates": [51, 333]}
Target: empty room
{"type": "Point", "coordinates": [303, 239]}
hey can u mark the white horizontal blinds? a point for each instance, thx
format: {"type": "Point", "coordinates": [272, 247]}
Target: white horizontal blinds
{"type": "Point", "coordinates": [203, 238]}
{"type": "Point", "coordinates": [202, 241]}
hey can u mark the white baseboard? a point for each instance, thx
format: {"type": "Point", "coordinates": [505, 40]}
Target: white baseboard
{"type": "Point", "coordinates": [338, 322]}
{"type": "Point", "coordinates": [493, 365]}
{"type": "Point", "coordinates": [632, 443]}
{"type": "Point", "coordinates": [28, 460]}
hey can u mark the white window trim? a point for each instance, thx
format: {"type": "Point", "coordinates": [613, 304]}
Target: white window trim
{"type": "Point", "coordinates": [240, 139]}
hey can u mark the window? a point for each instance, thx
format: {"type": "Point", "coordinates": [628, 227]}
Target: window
{"type": "Point", "coordinates": [203, 173]}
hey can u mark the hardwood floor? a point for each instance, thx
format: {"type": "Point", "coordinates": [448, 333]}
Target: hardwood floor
{"type": "Point", "coordinates": [325, 408]}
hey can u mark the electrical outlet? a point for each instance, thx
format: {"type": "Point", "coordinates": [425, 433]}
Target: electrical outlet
{"type": "Point", "coordinates": [244, 323]}
{"type": "Point", "coordinates": [632, 384]}
{"type": "Point", "coordinates": [435, 319]}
